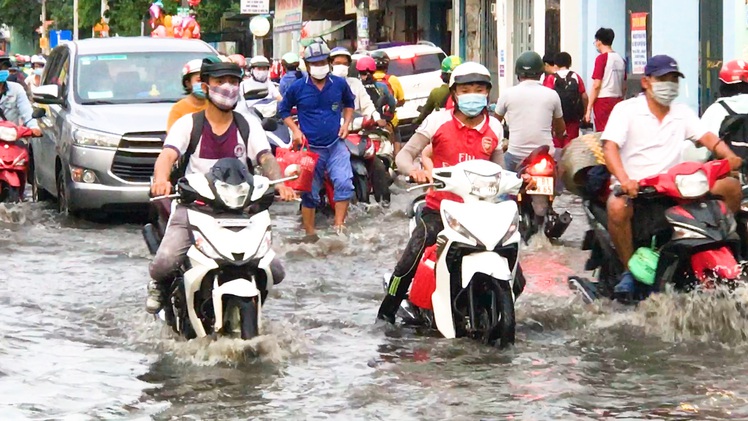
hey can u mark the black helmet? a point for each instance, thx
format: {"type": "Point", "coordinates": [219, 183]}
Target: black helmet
{"type": "Point", "coordinates": [381, 59]}
{"type": "Point", "coordinates": [529, 64]}
{"type": "Point", "coordinates": [212, 69]}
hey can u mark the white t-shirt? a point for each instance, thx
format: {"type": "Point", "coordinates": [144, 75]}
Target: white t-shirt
{"type": "Point", "coordinates": [208, 151]}
{"type": "Point", "coordinates": [716, 113]}
{"type": "Point", "coordinates": [529, 109]}
{"type": "Point", "coordinates": [648, 147]}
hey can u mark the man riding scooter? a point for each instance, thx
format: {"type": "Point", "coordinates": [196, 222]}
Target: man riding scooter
{"type": "Point", "coordinates": [645, 136]}
{"type": "Point", "coordinates": [200, 140]}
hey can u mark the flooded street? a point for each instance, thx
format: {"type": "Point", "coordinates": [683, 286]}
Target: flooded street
{"type": "Point", "coordinates": [75, 342]}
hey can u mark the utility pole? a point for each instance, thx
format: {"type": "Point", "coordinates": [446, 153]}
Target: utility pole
{"type": "Point", "coordinates": [45, 49]}
{"type": "Point", "coordinates": [362, 25]}
{"type": "Point", "coordinates": [75, 20]}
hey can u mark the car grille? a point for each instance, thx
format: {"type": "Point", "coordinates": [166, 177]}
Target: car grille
{"type": "Point", "coordinates": [136, 156]}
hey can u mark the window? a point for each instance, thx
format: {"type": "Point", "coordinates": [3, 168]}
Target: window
{"type": "Point", "coordinates": [416, 65]}
{"type": "Point", "coordinates": [131, 78]}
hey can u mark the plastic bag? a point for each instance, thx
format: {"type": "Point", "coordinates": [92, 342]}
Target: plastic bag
{"type": "Point", "coordinates": [424, 282]}
{"type": "Point", "coordinates": [302, 162]}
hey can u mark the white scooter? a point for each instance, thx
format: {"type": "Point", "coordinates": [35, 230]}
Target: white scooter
{"type": "Point", "coordinates": [476, 268]}
{"type": "Point", "coordinates": [227, 278]}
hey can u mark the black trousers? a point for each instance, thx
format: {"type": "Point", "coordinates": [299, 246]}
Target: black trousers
{"type": "Point", "coordinates": [424, 235]}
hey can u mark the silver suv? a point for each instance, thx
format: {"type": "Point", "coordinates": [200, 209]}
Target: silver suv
{"type": "Point", "coordinates": [102, 107]}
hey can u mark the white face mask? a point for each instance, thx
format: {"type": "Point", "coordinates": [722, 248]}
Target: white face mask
{"type": "Point", "coordinates": [260, 75]}
{"type": "Point", "coordinates": [340, 70]}
{"type": "Point", "coordinates": [319, 72]}
{"type": "Point", "coordinates": [664, 92]}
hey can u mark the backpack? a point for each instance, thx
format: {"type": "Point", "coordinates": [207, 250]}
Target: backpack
{"type": "Point", "coordinates": [379, 99]}
{"type": "Point", "coordinates": [571, 100]}
{"type": "Point", "coordinates": [198, 121]}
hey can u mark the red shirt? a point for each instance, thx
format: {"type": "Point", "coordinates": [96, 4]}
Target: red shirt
{"type": "Point", "coordinates": [550, 80]}
{"type": "Point", "coordinates": [454, 142]}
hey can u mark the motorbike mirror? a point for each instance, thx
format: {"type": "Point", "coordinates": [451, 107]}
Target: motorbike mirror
{"type": "Point", "coordinates": [39, 113]}
{"type": "Point", "coordinates": [256, 94]}
{"type": "Point", "coordinates": [269, 124]}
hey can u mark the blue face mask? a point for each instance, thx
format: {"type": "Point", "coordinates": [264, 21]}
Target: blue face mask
{"type": "Point", "coordinates": [472, 104]}
{"type": "Point", "coordinates": [197, 90]}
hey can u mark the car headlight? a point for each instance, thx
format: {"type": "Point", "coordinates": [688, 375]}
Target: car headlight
{"type": "Point", "coordinates": [692, 185]}
{"type": "Point", "coordinates": [484, 186]}
{"type": "Point", "coordinates": [204, 246]}
{"type": "Point", "coordinates": [513, 227]}
{"type": "Point", "coordinates": [265, 244]}
{"type": "Point", "coordinates": [233, 196]}
{"type": "Point", "coordinates": [85, 137]}
{"type": "Point", "coordinates": [455, 225]}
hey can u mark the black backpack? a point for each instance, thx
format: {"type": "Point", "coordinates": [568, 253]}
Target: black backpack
{"type": "Point", "coordinates": [198, 121]}
{"type": "Point", "coordinates": [571, 100]}
{"type": "Point", "coordinates": [734, 131]}
{"type": "Point", "coordinates": [379, 99]}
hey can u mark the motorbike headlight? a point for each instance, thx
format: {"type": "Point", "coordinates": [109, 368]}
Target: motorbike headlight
{"type": "Point", "coordinates": [265, 244]}
{"type": "Point", "coordinates": [513, 227]}
{"type": "Point", "coordinates": [484, 186]}
{"type": "Point", "coordinates": [455, 225]}
{"type": "Point", "coordinates": [204, 246]}
{"type": "Point", "coordinates": [85, 137]}
{"type": "Point", "coordinates": [21, 162]}
{"type": "Point", "coordinates": [233, 196]}
{"type": "Point", "coordinates": [692, 185]}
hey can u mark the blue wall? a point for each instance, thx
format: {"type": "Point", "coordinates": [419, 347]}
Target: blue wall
{"type": "Point", "coordinates": [677, 35]}
{"type": "Point", "coordinates": [729, 21]}
{"type": "Point", "coordinates": [597, 14]}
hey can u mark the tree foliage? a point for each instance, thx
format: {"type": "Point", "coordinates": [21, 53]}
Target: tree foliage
{"type": "Point", "coordinates": [209, 13]}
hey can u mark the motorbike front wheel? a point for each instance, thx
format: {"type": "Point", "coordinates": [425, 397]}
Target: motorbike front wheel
{"type": "Point", "coordinates": [361, 187]}
{"type": "Point", "coordinates": [241, 316]}
{"type": "Point", "coordinates": [501, 315]}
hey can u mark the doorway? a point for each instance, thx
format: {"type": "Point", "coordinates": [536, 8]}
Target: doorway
{"type": "Point", "coordinates": [438, 25]}
{"type": "Point", "coordinates": [522, 35]}
{"type": "Point", "coordinates": [411, 24]}
{"type": "Point", "coordinates": [710, 51]}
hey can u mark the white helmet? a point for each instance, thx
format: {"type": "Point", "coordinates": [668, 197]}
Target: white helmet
{"type": "Point", "coordinates": [192, 66]}
{"type": "Point", "coordinates": [470, 72]}
{"type": "Point", "coordinates": [37, 59]}
{"type": "Point", "coordinates": [259, 61]}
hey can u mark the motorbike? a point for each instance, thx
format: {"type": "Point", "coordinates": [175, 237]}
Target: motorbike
{"type": "Point", "coordinates": [689, 238]}
{"type": "Point", "coordinates": [266, 109]}
{"type": "Point", "coordinates": [474, 277]}
{"type": "Point", "coordinates": [14, 162]}
{"type": "Point", "coordinates": [230, 228]}
{"type": "Point", "coordinates": [536, 205]}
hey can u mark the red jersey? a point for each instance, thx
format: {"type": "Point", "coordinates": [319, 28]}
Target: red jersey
{"type": "Point", "coordinates": [454, 142]}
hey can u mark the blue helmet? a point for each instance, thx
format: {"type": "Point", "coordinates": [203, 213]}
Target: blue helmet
{"type": "Point", "coordinates": [340, 51]}
{"type": "Point", "coordinates": [316, 52]}
{"type": "Point", "coordinates": [4, 76]}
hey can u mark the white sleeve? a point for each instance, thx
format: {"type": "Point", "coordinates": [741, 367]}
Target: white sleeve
{"type": "Point", "coordinates": [713, 117]}
{"type": "Point", "coordinates": [695, 128]}
{"type": "Point", "coordinates": [431, 124]}
{"type": "Point", "coordinates": [273, 92]}
{"type": "Point", "coordinates": [178, 137]}
{"type": "Point", "coordinates": [501, 105]}
{"type": "Point", "coordinates": [258, 140]}
{"type": "Point", "coordinates": [618, 125]}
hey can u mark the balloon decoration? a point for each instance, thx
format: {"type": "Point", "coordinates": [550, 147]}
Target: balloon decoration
{"type": "Point", "coordinates": [167, 26]}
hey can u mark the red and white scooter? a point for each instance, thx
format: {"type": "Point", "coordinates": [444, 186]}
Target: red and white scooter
{"type": "Point", "coordinates": [14, 161]}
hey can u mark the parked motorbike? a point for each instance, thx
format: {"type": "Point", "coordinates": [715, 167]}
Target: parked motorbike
{"type": "Point", "coordinates": [474, 274]}
{"type": "Point", "coordinates": [536, 205]}
{"type": "Point", "coordinates": [686, 238]}
{"type": "Point", "coordinates": [230, 227]}
{"type": "Point", "coordinates": [14, 162]}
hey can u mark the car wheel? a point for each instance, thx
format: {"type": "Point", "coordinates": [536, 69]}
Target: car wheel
{"type": "Point", "coordinates": [38, 194]}
{"type": "Point", "coordinates": [63, 206]}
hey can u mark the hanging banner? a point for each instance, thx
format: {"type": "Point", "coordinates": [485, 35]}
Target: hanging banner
{"type": "Point", "coordinates": [638, 43]}
{"type": "Point", "coordinates": [254, 7]}
{"type": "Point", "coordinates": [352, 5]}
{"type": "Point", "coordinates": [287, 15]}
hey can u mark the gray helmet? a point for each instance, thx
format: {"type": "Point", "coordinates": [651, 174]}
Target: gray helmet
{"type": "Point", "coordinates": [529, 64]}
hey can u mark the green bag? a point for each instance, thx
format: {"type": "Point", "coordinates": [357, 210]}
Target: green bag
{"type": "Point", "coordinates": [643, 264]}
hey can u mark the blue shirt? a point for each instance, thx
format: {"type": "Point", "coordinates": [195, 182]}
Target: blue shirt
{"type": "Point", "coordinates": [319, 111]}
{"type": "Point", "coordinates": [288, 79]}
{"type": "Point", "coordinates": [16, 106]}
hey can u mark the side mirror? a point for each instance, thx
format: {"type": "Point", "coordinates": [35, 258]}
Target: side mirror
{"type": "Point", "coordinates": [269, 124]}
{"type": "Point", "coordinates": [48, 94]}
{"type": "Point", "coordinates": [256, 94]}
{"type": "Point", "coordinates": [39, 113]}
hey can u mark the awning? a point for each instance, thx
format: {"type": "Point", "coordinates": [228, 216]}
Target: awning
{"type": "Point", "coordinates": [309, 40]}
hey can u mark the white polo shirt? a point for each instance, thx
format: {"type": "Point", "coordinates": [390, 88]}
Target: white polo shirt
{"type": "Point", "coordinates": [648, 147]}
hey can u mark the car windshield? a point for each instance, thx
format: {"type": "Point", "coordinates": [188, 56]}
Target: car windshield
{"type": "Point", "coordinates": [131, 78]}
{"type": "Point", "coordinates": [416, 65]}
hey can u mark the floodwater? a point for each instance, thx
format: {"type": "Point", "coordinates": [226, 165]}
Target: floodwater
{"type": "Point", "coordinates": [75, 343]}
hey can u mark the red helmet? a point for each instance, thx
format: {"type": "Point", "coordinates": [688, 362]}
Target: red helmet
{"type": "Point", "coordinates": [735, 71]}
{"type": "Point", "coordinates": [366, 64]}
{"type": "Point", "coordinates": [238, 59]}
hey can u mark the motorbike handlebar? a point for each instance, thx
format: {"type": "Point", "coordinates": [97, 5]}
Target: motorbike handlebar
{"type": "Point", "coordinates": [646, 190]}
